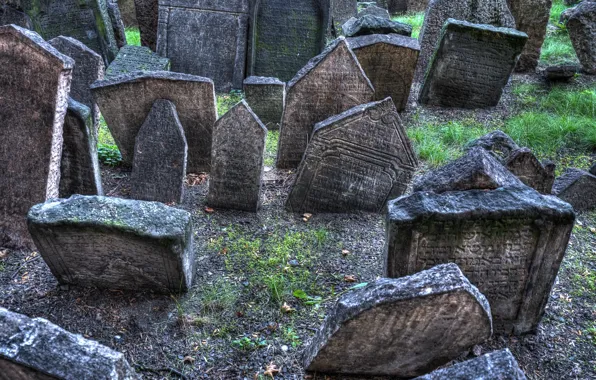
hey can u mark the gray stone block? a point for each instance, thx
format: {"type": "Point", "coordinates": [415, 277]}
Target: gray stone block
{"type": "Point", "coordinates": [531, 17]}
{"type": "Point", "coordinates": [578, 188]}
{"type": "Point", "coordinates": [133, 58]}
{"type": "Point", "coordinates": [147, 17]}
{"type": "Point", "coordinates": [368, 24]}
{"type": "Point", "coordinates": [10, 15]}
{"type": "Point", "coordinates": [525, 166]}
{"type": "Point", "coordinates": [266, 97]}
{"type": "Point", "coordinates": [498, 143]}
{"type": "Point", "coordinates": [582, 31]}
{"type": "Point", "coordinates": [373, 10]}
{"type": "Point", "coordinates": [342, 11]}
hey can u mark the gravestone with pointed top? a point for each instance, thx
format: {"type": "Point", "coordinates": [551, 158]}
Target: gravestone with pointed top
{"type": "Point", "coordinates": [525, 166]}
{"type": "Point", "coordinates": [266, 97]}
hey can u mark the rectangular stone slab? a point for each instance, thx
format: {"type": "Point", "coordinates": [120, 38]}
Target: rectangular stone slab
{"type": "Point", "coordinates": [266, 97]}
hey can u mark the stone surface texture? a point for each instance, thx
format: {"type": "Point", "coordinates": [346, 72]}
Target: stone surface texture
{"type": "Point", "coordinates": [147, 16]}
{"type": "Point", "coordinates": [133, 58]}
{"type": "Point", "coordinates": [578, 188]}
{"type": "Point", "coordinates": [11, 15]}
{"type": "Point", "coordinates": [117, 23]}
{"type": "Point", "coordinates": [266, 97]}
{"type": "Point", "coordinates": [374, 10]}
{"type": "Point", "coordinates": [129, 13]}
{"type": "Point", "coordinates": [531, 17]}
{"type": "Point", "coordinates": [561, 72]}
{"type": "Point", "coordinates": [401, 327]}
{"type": "Point", "coordinates": [524, 164]}
{"type": "Point", "coordinates": [497, 143]}
{"type": "Point", "coordinates": [582, 30]}
{"type": "Point", "coordinates": [342, 11]}
{"type": "Point", "coordinates": [368, 24]}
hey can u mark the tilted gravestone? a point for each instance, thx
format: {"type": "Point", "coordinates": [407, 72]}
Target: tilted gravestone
{"type": "Point", "coordinates": [329, 84]}
{"type": "Point", "coordinates": [578, 188]}
{"type": "Point", "coordinates": [531, 17]}
{"type": "Point", "coordinates": [401, 327]}
{"type": "Point", "coordinates": [117, 23]}
{"type": "Point", "coordinates": [497, 143]}
{"type": "Point", "coordinates": [525, 165]}
{"type": "Point", "coordinates": [79, 166]}
{"type": "Point", "coordinates": [389, 61]}
{"type": "Point", "coordinates": [414, 6]}
{"type": "Point", "coordinates": [38, 349]}
{"type": "Point", "coordinates": [133, 58]}
{"type": "Point", "coordinates": [266, 97]}
{"type": "Point", "coordinates": [471, 65]}
{"type": "Point", "coordinates": [583, 34]}
{"type": "Point", "coordinates": [509, 242]}
{"type": "Point", "coordinates": [237, 167]}
{"type": "Point", "coordinates": [285, 35]}
{"type": "Point", "coordinates": [159, 165]}
{"type": "Point", "coordinates": [125, 102]}
{"type": "Point", "coordinates": [355, 161]}
{"type": "Point", "coordinates": [11, 15]}
{"type": "Point", "coordinates": [35, 80]}
{"type": "Point", "coordinates": [206, 38]}
{"type": "Point", "coordinates": [115, 243]}
{"type": "Point", "coordinates": [147, 17]}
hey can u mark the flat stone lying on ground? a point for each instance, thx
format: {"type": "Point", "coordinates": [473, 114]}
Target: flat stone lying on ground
{"type": "Point", "coordinates": [355, 161]}
{"type": "Point", "coordinates": [159, 164]}
{"type": "Point", "coordinates": [471, 65]}
{"type": "Point", "coordinates": [147, 15]}
{"type": "Point", "coordinates": [509, 242]}
{"type": "Point", "coordinates": [401, 327]}
{"type": "Point", "coordinates": [525, 166]}
{"type": "Point", "coordinates": [266, 97]}
{"type": "Point", "coordinates": [115, 243]}
{"type": "Point", "coordinates": [578, 188]}
{"type": "Point", "coordinates": [582, 31]}
{"type": "Point", "coordinates": [368, 24]}
{"type": "Point", "coordinates": [499, 365]}
{"type": "Point", "coordinates": [133, 58]}
{"type": "Point", "coordinates": [38, 349]}
{"type": "Point", "coordinates": [561, 72]}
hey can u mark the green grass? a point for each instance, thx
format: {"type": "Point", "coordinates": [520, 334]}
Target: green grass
{"type": "Point", "coordinates": [414, 19]}
{"type": "Point", "coordinates": [227, 101]}
{"type": "Point", "coordinates": [271, 148]}
{"type": "Point", "coordinates": [133, 36]}
{"type": "Point", "coordinates": [557, 48]}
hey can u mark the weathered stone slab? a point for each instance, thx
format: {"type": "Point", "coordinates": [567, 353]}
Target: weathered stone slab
{"type": "Point", "coordinates": [115, 243]}
{"type": "Point", "coordinates": [329, 84]}
{"type": "Point", "coordinates": [593, 169]}
{"type": "Point", "coordinates": [79, 166]}
{"type": "Point", "coordinates": [342, 11]}
{"type": "Point", "coordinates": [159, 165]}
{"type": "Point", "coordinates": [373, 10]}
{"type": "Point", "coordinates": [10, 15]}
{"type": "Point", "coordinates": [117, 23]}
{"type": "Point", "coordinates": [578, 188]}
{"type": "Point", "coordinates": [471, 65]}
{"type": "Point", "coordinates": [34, 82]}
{"type": "Point", "coordinates": [531, 17]}
{"type": "Point", "coordinates": [147, 17]}
{"type": "Point", "coordinates": [495, 365]}
{"type": "Point", "coordinates": [266, 97]}
{"type": "Point", "coordinates": [368, 24]}
{"type": "Point", "coordinates": [401, 327]}
{"type": "Point", "coordinates": [561, 73]}
{"type": "Point", "coordinates": [206, 38]}
{"type": "Point", "coordinates": [128, 11]}
{"type": "Point", "coordinates": [582, 31]}
{"type": "Point", "coordinates": [355, 161]}
{"type": "Point", "coordinates": [524, 164]}
{"type": "Point", "coordinates": [497, 143]}
{"type": "Point", "coordinates": [133, 58]}
{"type": "Point", "coordinates": [389, 61]}
{"type": "Point", "coordinates": [38, 349]}
{"type": "Point", "coordinates": [193, 96]}
{"type": "Point", "coordinates": [285, 35]}
{"type": "Point", "coordinates": [508, 242]}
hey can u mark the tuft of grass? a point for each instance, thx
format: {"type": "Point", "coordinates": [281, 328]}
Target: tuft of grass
{"type": "Point", "coordinates": [218, 297]}
{"type": "Point", "coordinates": [227, 101]}
{"type": "Point", "coordinates": [414, 19]}
{"type": "Point", "coordinates": [133, 36]}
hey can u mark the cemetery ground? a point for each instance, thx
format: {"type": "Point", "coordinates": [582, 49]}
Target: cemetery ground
{"type": "Point", "coordinates": [264, 281]}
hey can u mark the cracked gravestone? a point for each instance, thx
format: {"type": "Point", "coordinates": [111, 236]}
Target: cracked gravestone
{"type": "Point", "coordinates": [525, 166]}
{"type": "Point", "coordinates": [133, 58]}
{"type": "Point", "coordinates": [401, 327]}
{"type": "Point", "coordinates": [115, 243]}
{"type": "Point", "coordinates": [582, 31]}
{"type": "Point", "coordinates": [35, 81]}
{"type": "Point", "coordinates": [147, 17]}
{"type": "Point", "coordinates": [355, 161]}
{"type": "Point", "coordinates": [531, 17]}
{"type": "Point", "coordinates": [578, 188]}
{"type": "Point", "coordinates": [266, 97]}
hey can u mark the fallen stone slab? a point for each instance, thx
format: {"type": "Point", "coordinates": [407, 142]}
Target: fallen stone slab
{"type": "Point", "coordinates": [561, 72]}
{"type": "Point", "coordinates": [578, 188]}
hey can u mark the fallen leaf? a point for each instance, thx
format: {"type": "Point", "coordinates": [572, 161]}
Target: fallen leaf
{"type": "Point", "coordinates": [349, 278]}
{"type": "Point", "coordinates": [271, 370]}
{"type": "Point", "coordinates": [209, 210]}
{"type": "Point", "coordinates": [188, 360]}
{"type": "Point", "coordinates": [306, 217]}
{"type": "Point", "coordinates": [345, 252]}
{"type": "Point", "coordinates": [286, 308]}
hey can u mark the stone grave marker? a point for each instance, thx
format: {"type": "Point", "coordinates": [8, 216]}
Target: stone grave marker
{"type": "Point", "coordinates": [159, 165]}
{"type": "Point", "coordinates": [266, 97]}
{"type": "Point", "coordinates": [206, 38]}
{"type": "Point", "coordinates": [329, 84]}
{"type": "Point", "coordinates": [35, 81]}
{"type": "Point", "coordinates": [524, 164]}
{"type": "Point", "coordinates": [355, 161]}
{"type": "Point", "coordinates": [117, 23]}
{"type": "Point", "coordinates": [531, 17]}
{"type": "Point", "coordinates": [193, 96]}
{"type": "Point", "coordinates": [593, 169]}
{"type": "Point", "coordinates": [237, 167]}
{"type": "Point", "coordinates": [79, 166]}
{"type": "Point", "coordinates": [342, 11]}
{"type": "Point", "coordinates": [578, 188]}
{"type": "Point", "coordinates": [583, 34]}
{"type": "Point", "coordinates": [401, 327]}
{"type": "Point", "coordinates": [374, 10]}
{"type": "Point", "coordinates": [11, 15]}
{"type": "Point", "coordinates": [38, 349]}
{"type": "Point", "coordinates": [133, 58]}
{"type": "Point", "coordinates": [367, 24]}
{"type": "Point", "coordinates": [115, 243]}
{"type": "Point", "coordinates": [285, 35]}
{"type": "Point", "coordinates": [389, 61]}
{"type": "Point", "coordinates": [509, 242]}
{"type": "Point", "coordinates": [147, 17]}
{"type": "Point", "coordinates": [497, 143]}
{"type": "Point", "coordinates": [471, 65]}
{"type": "Point", "coordinates": [414, 6]}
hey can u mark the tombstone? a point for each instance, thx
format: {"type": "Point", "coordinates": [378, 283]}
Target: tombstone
{"type": "Point", "coordinates": [129, 13]}
{"type": "Point", "coordinates": [531, 17]}
{"type": "Point", "coordinates": [147, 17]}
{"type": "Point", "coordinates": [266, 97]}
{"type": "Point", "coordinates": [133, 58]}
{"type": "Point", "coordinates": [509, 242]}
{"type": "Point", "coordinates": [583, 34]}
{"type": "Point", "coordinates": [125, 102]}
{"type": "Point", "coordinates": [495, 365]}
{"type": "Point", "coordinates": [471, 65]}
{"type": "Point", "coordinates": [341, 11]}
{"type": "Point", "coordinates": [285, 35]}
{"type": "Point", "coordinates": [117, 23]}
{"type": "Point", "coordinates": [34, 83]}
{"type": "Point", "coordinates": [115, 243]}
{"type": "Point", "coordinates": [497, 143]}
{"type": "Point", "coordinates": [389, 61]}
{"type": "Point", "coordinates": [578, 188]}
{"type": "Point", "coordinates": [79, 166]}
{"type": "Point", "coordinates": [373, 10]}
{"type": "Point", "coordinates": [89, 67]}
{"type": "Point", "coordinates": [329, 84]}
{"type": "Point", "coordinates": [397, 6]}
{"type": "Point", "coordinates": [10, 15]}
{"type": "Point", "coordinates": [206, 38]}
{"type": "Point", "coordinates": [159, 165]}
{"type": "Point", "coordinates": [38, 349]}
{"type": "Point", "coordinates": [561, 73]}
{"type": "Point", "coordinates": [524, 164]}
{"type": "Point", "coordinates": [374, 25]}
{"type": "Point", "coordinates": [401, 327]}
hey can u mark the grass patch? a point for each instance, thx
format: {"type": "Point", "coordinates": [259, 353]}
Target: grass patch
{"type": "Point", "coordinates": [414, 19]}
{"type": "Point", "coordinates": [133, 36]}
{"type": "Point", "coordinates": [227, 101]}
{"type": "Point", "coordinates": [557, 48]}
{"type": "Point", "coordinates": [271, 148]}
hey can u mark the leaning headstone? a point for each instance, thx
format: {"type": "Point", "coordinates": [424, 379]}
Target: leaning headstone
{"type": "Point", "coordinates": [375, 25]}
{"type": "Point", "coordinates": [266, 97]}
{"type": "Point", "coordinates": [133, 58]}
{"type": "Point", "coordinates": [115, 243]}
{"type": "Point", "coordinates": [578, 188]}
{"type": "Point", "coordinates": [329, 84]}
{"type": "Point", "coordinates": [355, 161]}
{"type": "Point", "coordinates": [125, 102]}
{"type": "Point", "coordinates": [471, 65]}
{"type": "Point", "coordinates": [11, 15]}
{"type": "Point", "coordinates": [147, 17]}
{"type": "Point", "coordinates": [524, 164]}
{"type": "Point", "coordinates": [342, 11]}
{"type": "Point", "coordinates": [79, 166]}
{"type": "Point", "coordinates": [237, 167]}
{"type": "Point", "coordinates": [373, 10]}
{"type": "Point", "coordinates": [117, 23]}
{"type": "Point", "coordinates": [509, 242]}
{"type": "Point", "coordinates": [38, 349]}
{"type": "Point", "coordinates": [401, 327]}
{"type": "Point", "coordinates": [285, 35]}
{"type": "Point", "coordinates": [34, 83]}
{"type": "Point", "coordinates": [499, 365]}
{"type": "Point", "coordinates": [206, 38]}
{"type": "Point", "coordinates": [159, 165]}
{"type": "Point", "coordinates": [531, 17]}
{"type": "Point", "coordinates": [583, 34]}
{"type": "Point", "coordinates": [389, 61]}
